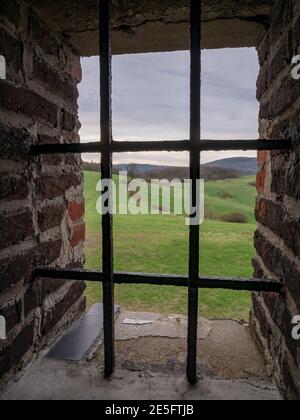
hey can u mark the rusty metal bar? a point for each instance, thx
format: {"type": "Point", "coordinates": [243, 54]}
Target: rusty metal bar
{"type": "Point", "coordinates": [203, 282]}
{"type": "Point", "coordinates": [106, 173]}
{"type": "Point", "coordinates": [163, 146]}
{"type": "Point", "coordinates": [194, 237]}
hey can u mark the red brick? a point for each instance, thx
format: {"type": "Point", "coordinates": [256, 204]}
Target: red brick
{"type": "Point", "coordinates": [260, 180]}
{"type": "Point", "coordinates": [77, 70]}
{"type": "Point", "coordinates": [78, 235]}
{"type": "Point", "coordinates": [23, 101]}
{"type": "Point", "coordinates": [262, 157]}
{"type": "Point", "coordinates": [76, 210]}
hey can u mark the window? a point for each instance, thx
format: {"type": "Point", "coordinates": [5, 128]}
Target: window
{"type": "Point", "coordinates": [194, 146]}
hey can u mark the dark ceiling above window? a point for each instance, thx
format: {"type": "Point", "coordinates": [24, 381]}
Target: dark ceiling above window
{"type": "Point", "coordinates": [157, 25]}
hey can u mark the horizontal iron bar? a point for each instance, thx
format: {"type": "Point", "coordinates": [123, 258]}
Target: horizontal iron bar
{"type": "Point", "coordinates": [163, 146]}
{"type": "Point", "coordinates": [231, 283]}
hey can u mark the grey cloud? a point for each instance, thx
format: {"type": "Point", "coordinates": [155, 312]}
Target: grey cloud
{"type": "Point", "coordinates": [151, 97]}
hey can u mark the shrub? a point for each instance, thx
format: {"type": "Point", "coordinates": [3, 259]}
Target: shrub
{"type": "Point", "coordinates": [226, 195]}
{"type": "Point", "coordinates": [211, 214]}
{"type": "Point", "coordinates": [235, 217]}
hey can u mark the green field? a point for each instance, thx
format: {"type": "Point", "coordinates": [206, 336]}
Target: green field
{"type": "Point", "coordinates": [159, 244]}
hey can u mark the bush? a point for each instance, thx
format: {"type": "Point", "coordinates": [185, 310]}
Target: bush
{"type": "Point", "coordinates": [235, 217]}
{"type": "Point", "coordinates": [211, 214]}
{"type": "Point", "coordinates": [226, 195]}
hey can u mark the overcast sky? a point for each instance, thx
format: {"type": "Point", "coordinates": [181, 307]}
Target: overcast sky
{"type": "Point", "coordinates": [151, 101]}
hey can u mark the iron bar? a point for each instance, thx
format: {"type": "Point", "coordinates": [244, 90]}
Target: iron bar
{"type": "Point", "coordinates": [163, 146]}
{"type": "Point", "coordinates": [203, 282]}
{"type": "Point", "coordinates": [106, 173]}
{"type": "Point", "coordinates": [194, 235]}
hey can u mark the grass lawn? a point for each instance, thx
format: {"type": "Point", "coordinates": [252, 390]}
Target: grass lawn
{"type": "Point", "coordinates": [159, 244]}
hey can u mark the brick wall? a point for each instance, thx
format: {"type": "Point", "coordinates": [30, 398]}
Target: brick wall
{"type": "Point", "coordinates": [277, 239]}
{"type": "Point", "coordinates": [41, 199]}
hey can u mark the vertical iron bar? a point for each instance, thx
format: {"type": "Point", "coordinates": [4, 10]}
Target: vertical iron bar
{"type": "Point", "coordinates": [195, 134]}
{"type": "Point", "coordinates": [106, 173]}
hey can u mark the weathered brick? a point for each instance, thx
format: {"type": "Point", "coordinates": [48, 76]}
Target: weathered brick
{"type": "Point", "coordinates": [264, 50]}
{"type": "Point", "coordinates": [262, 157]}
{"type": "Point", "coordinates": [9, 9]}
{"type": "Point", "coordinates": [16, 269]}
{"type": "Point", "coordinates": [48, 252]}
{"type": "Point", "coordinates": [15, 228]}
{"type": "Point", "coordinates": [261, 317]}
{"type": "Point", "coordinates": [52, 317]}
{"type": "Point", "coordinates": [55, 82]}
{"type": "Point", "coordinates": [26, 102]}
{"type": "Point", "coordinates": [78, 235]}
{"type": "Point", "coordinates": [45, 139]}
{"type": "Point", "coordinates": [38, 291]}
{"type": "Point", "coordinates": [275, 218]}
{"type": "Point", "coordinates": [13, 187]}
{"type": "Point", "coordinates": [260, 180]}
{"type": "Point", "coordinates": [51, 187]}
{"type": "Point", "coordinates": [52, 160]}
{"type": "Point", "coordinates": [44, 37]}
{"type": "Point", "coordinates": [11, 49]}
{"type": "Point", "coordinates": [281, 18]}
{"type": "Point", "coordinates": [284, 97]}
{"type": "Point", "coordinates": [12, 314]}
{"type": "Point", "coordinates": [73, 160]}
{"type": "Point", "coordinates": [11, 355]}
{"type": "Point", "coordinates": [14, 143]}
{"type": "Point", "coordinates": [76, 210]}
{"type": "Point", "coordinates": [278, 310]}
{"type": "Point", "coordinates": [76, 70]}
{"type": "Point", "coordinates": [68, 121]}
{"type": "Point", "coordinates": [282, 59]}
{"type": "Point", "coordinates": [51, 216]}
{"type": "Point", "coordinates": [263, 82]}
{"type": "Point", "coordinates": [279, 264]}
{"type": "Point", "coordinates": [290, 390]}
{"type": "Point", "coordinates": [285, 176]}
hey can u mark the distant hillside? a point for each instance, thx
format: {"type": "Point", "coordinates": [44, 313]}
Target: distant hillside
{"type": "Point", "coordinates": [222, 169]}
{"type": "Point", "coordinates": [245, 166]}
